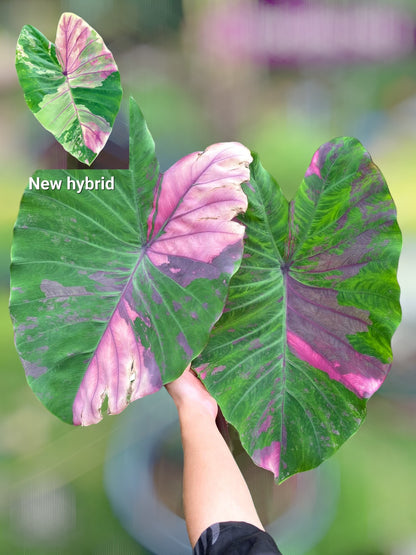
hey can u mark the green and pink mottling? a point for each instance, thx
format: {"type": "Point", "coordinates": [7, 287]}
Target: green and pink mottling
{"type": "Point", "coordinates": [269, 457]}
{"type": "Point", "coordinates": [86, 62]}
{"type": "Point", "coordinates": [190, 224]}
{"type": "Point", "coordinates": [72, 87]}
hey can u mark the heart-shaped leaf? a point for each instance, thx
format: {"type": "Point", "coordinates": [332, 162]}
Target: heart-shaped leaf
{"type": "Point", "coordinates": [305, 337]}
{"type": "Point", "coordinates": [112, 297]}
{"type": "Point", "coordinates": [72, 87]}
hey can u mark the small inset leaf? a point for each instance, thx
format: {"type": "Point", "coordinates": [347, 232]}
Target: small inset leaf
{"type": "Point", "coordinates": [72, 87]}
{"type": "Point", "coordinates": [305, 336]}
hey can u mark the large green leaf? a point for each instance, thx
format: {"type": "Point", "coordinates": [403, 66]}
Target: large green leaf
{"type": "Point", "coordinates": [115, 288]}
{"type": "Point", "coordinates": [305, 337]}
{"type": "Point", "coordinates": [72, 87]}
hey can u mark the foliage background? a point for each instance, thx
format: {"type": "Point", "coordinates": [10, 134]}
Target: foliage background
{"type": "Point", "coordinates": [52, 496]}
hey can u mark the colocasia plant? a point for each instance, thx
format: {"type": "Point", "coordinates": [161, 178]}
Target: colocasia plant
{"type": "Point", "coordinates": [121, 278]}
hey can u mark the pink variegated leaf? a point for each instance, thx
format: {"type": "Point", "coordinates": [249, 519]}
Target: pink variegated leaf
{"type": "Point", "coordinates": [105, 308]}
{"type": "Point", "coordinates": [305, 337]}
{"type": "Point", "coordinates": [72, 87]}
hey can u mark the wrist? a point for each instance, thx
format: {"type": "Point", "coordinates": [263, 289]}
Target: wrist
{"type": "Point", "coordinates": [190, 411]}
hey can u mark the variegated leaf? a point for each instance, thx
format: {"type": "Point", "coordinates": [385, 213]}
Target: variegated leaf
{"type": "Point", "coordinates": [113, 297]}
{"type": "Point", "coordinates": [305, 337]}
{"type": "Point", "coordinates": [72, 87]}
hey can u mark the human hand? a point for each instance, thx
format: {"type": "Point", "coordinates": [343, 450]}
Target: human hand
{"type": "Point", "coordinates": [190, 394]}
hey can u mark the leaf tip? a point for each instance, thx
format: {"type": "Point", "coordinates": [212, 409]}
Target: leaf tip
{"type": "Point", "coordinates": [269, 457]}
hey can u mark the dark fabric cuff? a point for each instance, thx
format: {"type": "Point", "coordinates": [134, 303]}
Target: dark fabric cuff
{"type": "Point", "coordinates": [235, 538]}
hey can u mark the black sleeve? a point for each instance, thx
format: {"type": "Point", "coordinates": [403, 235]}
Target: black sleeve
{"type": "Point", "coordinates": [235, 538]}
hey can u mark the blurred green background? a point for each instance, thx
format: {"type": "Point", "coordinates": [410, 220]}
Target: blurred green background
{"type": "Point", "coordinates": [173, 59]}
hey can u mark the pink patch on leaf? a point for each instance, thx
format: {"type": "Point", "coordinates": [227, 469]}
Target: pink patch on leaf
{"type": "Point", "coordinates": [360, 373]}
{"type": "Point", "coordinates": [314, 168]}
{"type": "Point", "coordinates": [181, 339]}
{"type": "Point", "coordinates": [199, 196]}
{"type": "Point", "coordinates": [269, 457]}
{"type": "Point", "coordinates": [202, 371]}
{"type": "Point", "coordinates": [255, 344]}
{"type": "Point", "coordinates": [266, 424]}
{"type": "Point", "coordinates": [82, 52]}
{"type": "Point", "coordinates": [121, 369]}
{"type": "Point", "coordinates": [94, 137]}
